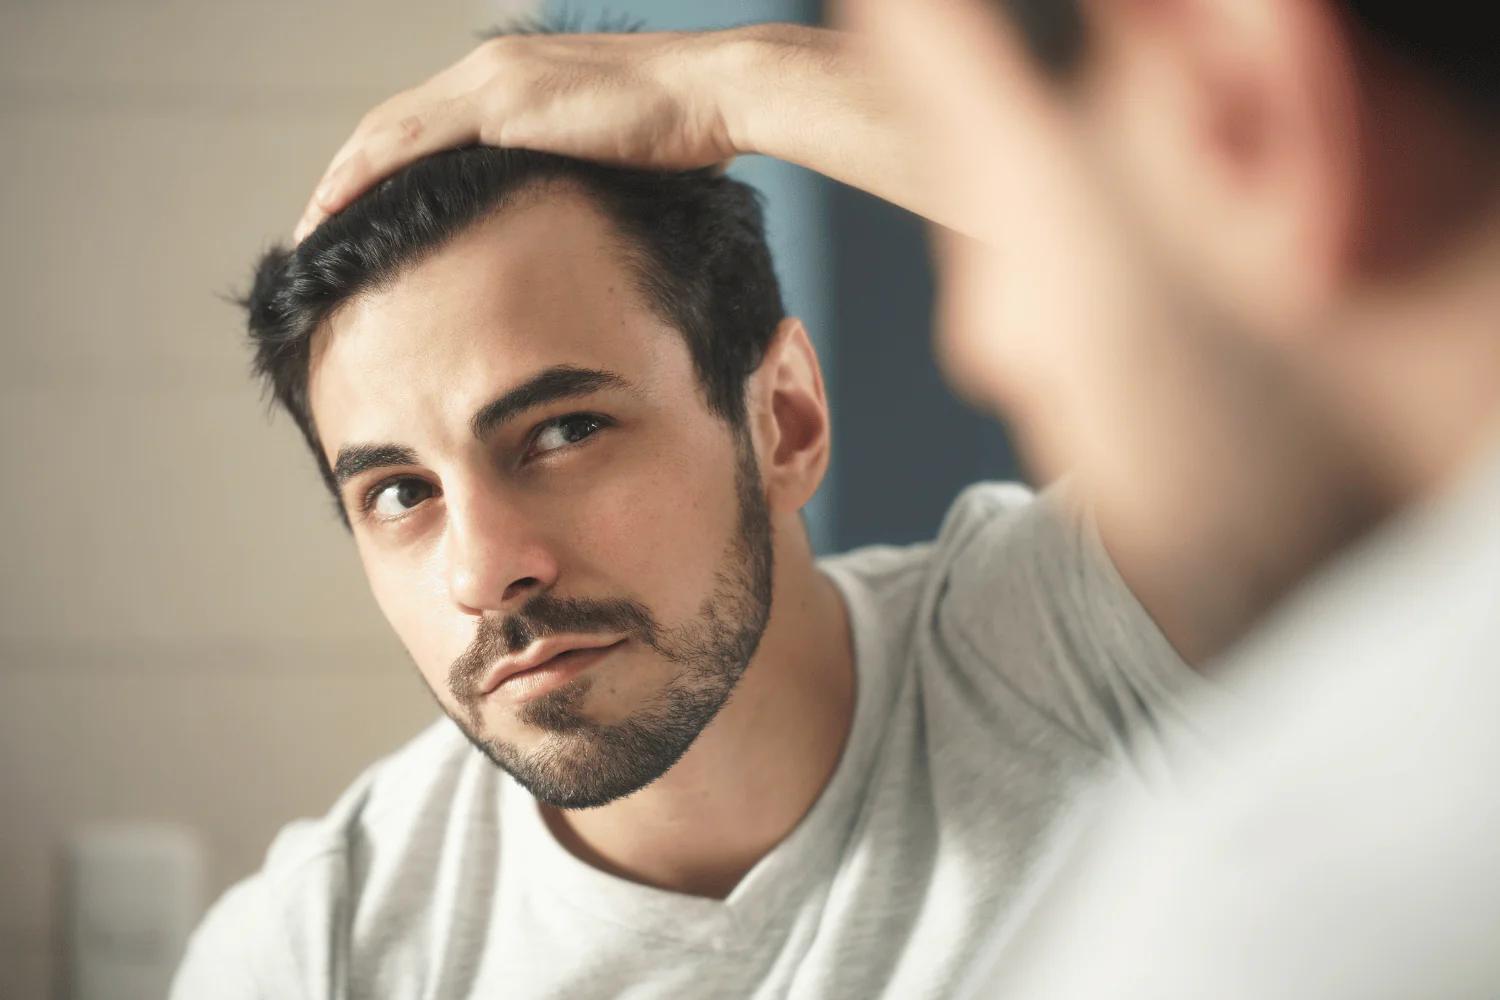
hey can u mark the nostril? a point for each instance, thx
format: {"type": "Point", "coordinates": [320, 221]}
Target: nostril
{"type": "Point", "coordinates": [522, 585]}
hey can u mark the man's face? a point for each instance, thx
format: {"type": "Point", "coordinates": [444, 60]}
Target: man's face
{"type": "Point", "coordinates": [1055, 307]}
{"type": "Point", "coordinates": [1175, 181]}
{"type": "Point", "coordinates": [573, 549]}
{"type": "Point", "coordinates": [1148, 235]}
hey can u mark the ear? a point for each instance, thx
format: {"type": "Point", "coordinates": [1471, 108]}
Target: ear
{"type": "Point", "coordinates": [788, 414]}
{"type": "Point", "coordinates": [1235, 128]}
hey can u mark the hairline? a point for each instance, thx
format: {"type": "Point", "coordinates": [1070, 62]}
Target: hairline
{"type": "Point", "coordinates": [635, 258]}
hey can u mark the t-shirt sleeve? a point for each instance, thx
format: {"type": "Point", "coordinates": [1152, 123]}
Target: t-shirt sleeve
{"type": "Point", "coordinates": [279, 934]}
{"type": "Point", "coordinates": [225, 951]}
{"type": "Point", "coordinates": [1030, 596]}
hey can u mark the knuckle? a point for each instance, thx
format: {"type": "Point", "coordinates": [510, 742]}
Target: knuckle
{"type": "Point", "coordinates": [382, 112]}
{"type": "Point", "coordinates": [494, 52]}
{"type": "Point", "coordinates": [494, 132]}
{"type": "Point", "coordinates": [491, 103]}
{"type": "Point", "coordinates": [409, 129]}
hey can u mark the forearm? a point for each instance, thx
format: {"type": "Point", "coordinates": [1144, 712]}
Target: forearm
{"type": "Point", "coordinates": [810, 96]}
{"type": "Point", "coordinates": [666, 101]}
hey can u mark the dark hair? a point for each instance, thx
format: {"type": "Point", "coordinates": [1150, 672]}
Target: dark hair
{"type": "Point", "coordinates": [1446, 40]}
{"type": "Point", "coordinates": [1053, 31]}
{"type": "Point", "coordinates": [1443, 39]}
{"type": "Point", "coordinates": [694, 241]}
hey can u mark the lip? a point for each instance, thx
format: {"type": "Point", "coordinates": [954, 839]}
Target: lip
{"type": "Point", "coordinates": [539, 654]}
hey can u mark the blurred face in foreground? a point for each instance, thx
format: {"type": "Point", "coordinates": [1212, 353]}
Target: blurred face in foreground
{"type": "Point", "coordinates": [1176, 172]}
{"type": "Point", "coordinates": [573, 548]}
{"type": "Point", "coordinates": [1165, 276]}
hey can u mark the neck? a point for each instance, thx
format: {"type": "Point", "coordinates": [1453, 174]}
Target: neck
{"type": "Point", "coordinates": [757, 768]}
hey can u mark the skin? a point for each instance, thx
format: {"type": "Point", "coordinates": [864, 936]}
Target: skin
{"type": "Point", "coordinates": [1287, 329]}
{"type": "Point", "coordinates": [1208, 278]}
{"type": "Point", "coordinates": [664, 100]}
{"type": "Point", "coordinates": [643, 509]}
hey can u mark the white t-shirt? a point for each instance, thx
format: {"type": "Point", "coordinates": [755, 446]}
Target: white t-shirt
{"type": "Point", "coordinates": [1344, 839]}
{"type": "Point", "coordinates": [996, 668]}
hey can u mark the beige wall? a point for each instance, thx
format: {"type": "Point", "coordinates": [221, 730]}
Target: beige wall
{"type": "Point", "coordinates": [184, 631]}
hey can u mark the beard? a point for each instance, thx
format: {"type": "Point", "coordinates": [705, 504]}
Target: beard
{"type": "Point", "coordinates": [582, 763]}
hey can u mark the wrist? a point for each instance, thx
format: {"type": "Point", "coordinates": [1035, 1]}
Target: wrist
{"type": "Point", "coordinates": [741, 69]}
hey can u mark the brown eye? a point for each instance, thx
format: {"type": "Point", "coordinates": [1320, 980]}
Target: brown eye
{"type": "Point", "coordinates": [399, 496]}
{"type": "Point", "coordinates": [564, 431]}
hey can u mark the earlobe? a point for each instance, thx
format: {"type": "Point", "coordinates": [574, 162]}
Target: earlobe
{"type": "Point", "coordinates": [792, 417]}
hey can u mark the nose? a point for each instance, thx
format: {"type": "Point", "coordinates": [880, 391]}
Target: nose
{"type": "Point", "coordinates": [497, 555]}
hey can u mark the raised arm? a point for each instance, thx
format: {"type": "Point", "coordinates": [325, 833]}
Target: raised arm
{"type": "Point", "coordinates": [824, 100]}
{"type": "Point", "coordinates": [671, 100]}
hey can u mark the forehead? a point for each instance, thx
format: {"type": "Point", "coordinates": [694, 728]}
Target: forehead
{"type": "Point", "coordinates": [542, 282]}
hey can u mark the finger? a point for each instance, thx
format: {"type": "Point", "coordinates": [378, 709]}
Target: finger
{"type": "Point", "coordinates": [435, 91]}
{"type": "Point", "coordinates": [311, 219]}
{"type": "Point", "coordinates": [383, 151]}
{"type": "Point", "coordinates": [389, 112]}
{"type": "Point", "coordinates": [312, 212]}
{"type": "Point", "coordinates": [445, 125]}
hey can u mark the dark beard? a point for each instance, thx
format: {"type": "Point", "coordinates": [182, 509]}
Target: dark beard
{"type": "Point", "coordinates": [584, 763]}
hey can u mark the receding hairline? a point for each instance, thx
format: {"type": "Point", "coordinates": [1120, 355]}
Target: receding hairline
{"type": "Point", "coordinates": [529, 194]}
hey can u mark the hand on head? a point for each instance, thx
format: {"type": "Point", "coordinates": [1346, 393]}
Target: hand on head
{"type": "Point", "coordinates": [627, 99]}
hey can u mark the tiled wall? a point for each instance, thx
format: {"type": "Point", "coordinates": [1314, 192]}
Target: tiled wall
{"type": "Point", "coordinates": [184, 630]}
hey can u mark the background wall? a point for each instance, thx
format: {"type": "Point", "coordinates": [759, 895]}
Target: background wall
{"type": "Point", "coordinates": [906, 446]}
{"type": "Point", "coordinates": [184, 631]}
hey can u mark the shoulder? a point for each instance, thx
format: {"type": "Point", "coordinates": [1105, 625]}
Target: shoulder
{"type": "Point", "coordinates": [994, 522]}
{"type": "Point", "coordinates": [893, 579]}
{"type": "Point", "coordinates": [390, 797]}
{"type": "Point", "coordinates": [289, 925]}
{"type": "Point", "coordinates": [1009, 558]}
{"type": "Point", "coordinates": [1023, 603]}
{"type": "Point", "coordinates": [1003, 547]}
{"type": "Point", "coordinates": [985, 508]}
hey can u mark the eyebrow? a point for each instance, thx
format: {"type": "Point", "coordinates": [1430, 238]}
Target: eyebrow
{"type": "Point", "coordinates": [547, 386]}
{"type": "Point", "coordinates": [356, 458]}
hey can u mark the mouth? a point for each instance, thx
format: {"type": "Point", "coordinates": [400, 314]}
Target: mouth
{"type": "Point", "coordinates": [546, 663]}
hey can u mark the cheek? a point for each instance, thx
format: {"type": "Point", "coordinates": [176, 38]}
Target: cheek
{"type": "Point", "coordinates": [655, 533]}
{"type": "Point", "coordinates": [657, 537]}
{"type": "Point", "coordinates": [412, 594]}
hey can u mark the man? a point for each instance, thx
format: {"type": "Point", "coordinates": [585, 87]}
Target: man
{"type": "Point", "coordinates": [1319, 181]}
{"type": "Point", "coordinates": [1238, 270]}
{"type": "Point", "coordinates": [570, 430]}
{"type": "Point", "coordinates": [1287, 334]}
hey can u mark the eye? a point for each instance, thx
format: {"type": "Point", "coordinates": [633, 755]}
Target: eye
{"type": "Point", "coordinates": [565, 431]}
{"type": "Point", "coordinates": [394, 498]}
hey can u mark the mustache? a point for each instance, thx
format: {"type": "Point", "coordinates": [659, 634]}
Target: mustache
{"type": "Point", "coordinates": [542, 616]}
